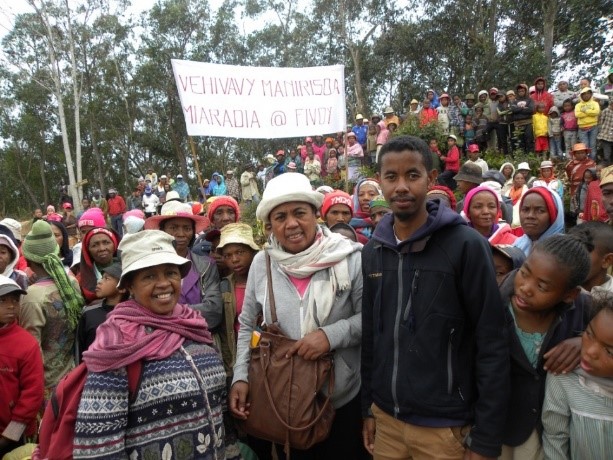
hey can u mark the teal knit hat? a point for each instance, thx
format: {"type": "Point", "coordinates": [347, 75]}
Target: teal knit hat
{"type": "Point", "coordinates": [40, 242]}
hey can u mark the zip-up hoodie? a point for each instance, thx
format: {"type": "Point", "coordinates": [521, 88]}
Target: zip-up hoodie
{"type": "Point", "coordinates": [542, 96]}
{"type": "Point", "coordinates": [434, 352]}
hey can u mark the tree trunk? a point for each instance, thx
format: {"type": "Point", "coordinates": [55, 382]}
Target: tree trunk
{"type": "Point", "coordinates": [43, 177]}
{"type": "Point", "coordinates": [357, 71]}
{"type": "Point", "coordinates": [76, 94]}
{"type": "Point", "coordinates": [57, 91]}
{"type": "Point", "coordinates": [550, 10]}
{"type": "Point", "coordinates": [24, 182]}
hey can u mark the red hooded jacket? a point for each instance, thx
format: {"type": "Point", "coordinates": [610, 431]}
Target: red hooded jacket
{"type": "Point", "coordinates": [542, 96]}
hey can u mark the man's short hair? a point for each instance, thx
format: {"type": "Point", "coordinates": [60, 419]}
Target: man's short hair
{"type": "Point", "coordinates": [410, 143]}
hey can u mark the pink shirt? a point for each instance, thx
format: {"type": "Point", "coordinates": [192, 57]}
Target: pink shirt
{"type": "Point", "coordinates": [301, 284]}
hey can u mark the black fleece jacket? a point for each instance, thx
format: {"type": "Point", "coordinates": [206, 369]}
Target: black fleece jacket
{"type": "Point", "coordinates": [434, 350]}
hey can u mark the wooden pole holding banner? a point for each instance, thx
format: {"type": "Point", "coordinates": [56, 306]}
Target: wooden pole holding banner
{"type": "Point", "coordinates": [193, 146]}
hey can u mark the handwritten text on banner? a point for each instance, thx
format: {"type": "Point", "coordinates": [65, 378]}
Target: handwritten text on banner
{"type": "Point", "coordinates": [260, 102]}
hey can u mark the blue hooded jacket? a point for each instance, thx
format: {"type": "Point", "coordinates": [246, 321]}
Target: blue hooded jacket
{"type": "Point", "coordinates": [218, 189]}
{"type": "Point", "coordinates": [525, 243]}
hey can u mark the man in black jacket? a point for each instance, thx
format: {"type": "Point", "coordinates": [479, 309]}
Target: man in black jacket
{"type": "Point", "coordinates": [435, 359]}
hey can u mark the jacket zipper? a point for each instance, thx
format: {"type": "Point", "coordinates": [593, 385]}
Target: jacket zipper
{"type": "Point", "coordinates": [408, 311]}
{"type": "Point", "coordinates": [396, 334]}
{"type": "Point", "coordinates": [449, 364]}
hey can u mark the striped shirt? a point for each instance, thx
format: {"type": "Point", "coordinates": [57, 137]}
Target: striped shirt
{"type": "Point", "coordinates": [577, 418]}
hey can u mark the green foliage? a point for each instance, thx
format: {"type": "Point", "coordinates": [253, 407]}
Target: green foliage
{"type": "Point", "coordinates": [412, 127]}
{"type": "Point", "coordinates": [495, 160]}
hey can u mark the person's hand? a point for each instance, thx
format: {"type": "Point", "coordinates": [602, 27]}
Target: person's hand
{"type": "Point", "coordinates": [564, 357]}
{"type": "Point", "coordinates": [311, 346]}
{"type": "Point", "coordinates": [470, 455]}
{"type": "Point", "coordinates": [368, 434]}
{"type": "Point", "coordinates": [238, 400]}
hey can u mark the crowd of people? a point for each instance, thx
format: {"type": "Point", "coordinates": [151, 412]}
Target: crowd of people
{"type": "Point", "coordinates": [468, 312]}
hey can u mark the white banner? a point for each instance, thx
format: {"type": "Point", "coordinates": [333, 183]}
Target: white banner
{"type": "Point", "coordinates": [260, 102]}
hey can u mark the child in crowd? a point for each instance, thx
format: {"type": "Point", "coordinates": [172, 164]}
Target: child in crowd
{"type": "Point", "coordinates": [346, 230]}
{"type": "Point", "coordinates": [9, 256]}
{"type": "Point", "coordinates": [51, 308]}
{"type": "Point", "coordinates": [546, 312]}
{"type": "Point", "coordinates": [95, 314]}
{"type": "Point", "coordinates": [577, 166]}
{"type": "Point", "coordinates": [238, 249]}
{"type": "Point", "coordinates": [569, 125]}
{"type": "Point", "coordinates": [506, 259]}
{"type": "Point", "coordinates": [443, 113]}
{"type": "Point", "coordinates": [474, 157]}
{"type": "Point", "coordinates": [371, 142]}
{"type": "Point", "coordinates": [601, 236]}
{"type": "Point", "coordinates": [332, 165]}
{"type": "Point", "coordinates": [428, 114]}
{"type": "Point", "coordinates": [587, 111]}
{"type": "Point", "coordinates": [21, 372]}
{"type": "Point", "coordinates": [364, 192]}
{"type": "Point", "coordinates": [577, 201]}
{"type": "Point", "coordinates": [452, 163]}
{"type": "Point", "coordinates": [548, 179]}
{"type": "Point", "coordinates": [554, 130]}
{"type": "Point", "coordinates": [540, 122]}
{"type": "Point", "coordinates": [436, 154]}
{"type": "Point", "coordinates": [480, 123]}
{"type": "Point", "coordinates": [594, 206]}
{"type": "Point", "coordinates": [577, 421]}
{"type": "Point", "coordinates": [469, 131]}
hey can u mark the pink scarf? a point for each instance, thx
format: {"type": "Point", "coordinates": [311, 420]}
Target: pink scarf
{"type": "Point", "coordinates": [131, 333]}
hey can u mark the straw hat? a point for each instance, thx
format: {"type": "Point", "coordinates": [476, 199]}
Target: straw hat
{"type": "Point", "coordinates": [173, 209]}
{"type": "Point", "coordinates": [237, 234]}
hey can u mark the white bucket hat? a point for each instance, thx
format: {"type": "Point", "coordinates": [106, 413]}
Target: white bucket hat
{"type": "Point", "coordinates": [284, 189]}
{"type": "Point", "coordinates": [523, 166]}
{"type": "Point", "coordinates": [149, 248]}
{"type": "Point", "coordinates": [13, 226]}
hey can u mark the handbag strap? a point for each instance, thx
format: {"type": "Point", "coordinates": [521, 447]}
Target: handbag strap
{"type": "Point", "coordinates": [271, 294]}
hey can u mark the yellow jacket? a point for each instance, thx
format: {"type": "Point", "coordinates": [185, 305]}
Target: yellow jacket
{"type": "Point", "coordinates": [539, 125]}
{"type": "Point", "coordinates": [587, 113]}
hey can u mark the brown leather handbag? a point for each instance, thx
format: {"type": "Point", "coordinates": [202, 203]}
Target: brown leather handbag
{"type": "Point", "coordinates": [286, 402]}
